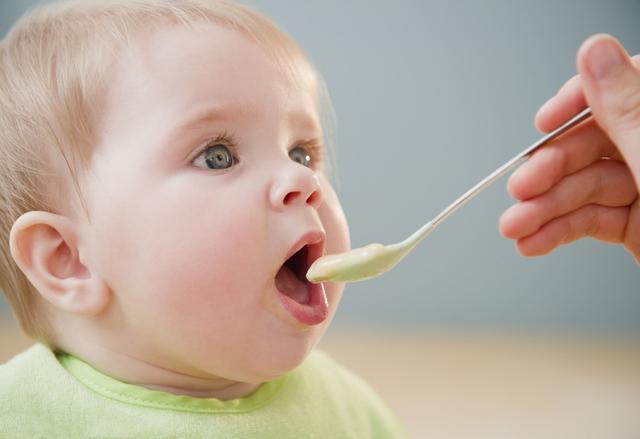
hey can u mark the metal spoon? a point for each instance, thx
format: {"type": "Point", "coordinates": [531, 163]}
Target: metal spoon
{"type": "Point", "coordinates": [374, 259]}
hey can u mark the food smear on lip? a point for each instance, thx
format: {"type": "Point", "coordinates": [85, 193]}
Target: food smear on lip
{"type": "Point", "coordinates": [357, 264]}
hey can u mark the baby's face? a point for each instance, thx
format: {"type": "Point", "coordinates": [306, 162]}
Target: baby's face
{"type": "Point", "coordinates": [199, 191]}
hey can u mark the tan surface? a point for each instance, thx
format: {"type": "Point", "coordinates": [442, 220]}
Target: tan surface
{"type": "Point", "coordinates": [447, 386]}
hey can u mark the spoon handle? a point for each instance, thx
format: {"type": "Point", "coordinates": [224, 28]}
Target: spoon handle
{"type": "Point", "coordinates": [413, 240]}
{"type": "Point", "coordinates": [514, 162]}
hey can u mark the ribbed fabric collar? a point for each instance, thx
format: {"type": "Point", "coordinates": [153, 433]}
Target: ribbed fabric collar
{"type": "Point", "coordinates": [141, 396]}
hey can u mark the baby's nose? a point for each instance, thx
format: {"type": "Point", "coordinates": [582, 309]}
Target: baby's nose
{"type": "Point", "coordinates": [296, 185]}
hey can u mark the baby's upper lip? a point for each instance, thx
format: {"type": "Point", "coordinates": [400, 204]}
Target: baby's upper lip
{"type": "Point", "coordinates": [315, 242]}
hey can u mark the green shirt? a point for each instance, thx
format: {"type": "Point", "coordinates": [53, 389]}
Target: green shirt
{"type": "Point", "coordinates": [47, 396]}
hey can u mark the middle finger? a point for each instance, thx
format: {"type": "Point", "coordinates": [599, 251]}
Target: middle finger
{"type": "Point", "coordinates": [607, 182]}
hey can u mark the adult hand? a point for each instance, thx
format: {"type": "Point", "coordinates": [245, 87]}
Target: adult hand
{"type": "Point", "coordinates": [585, 183]}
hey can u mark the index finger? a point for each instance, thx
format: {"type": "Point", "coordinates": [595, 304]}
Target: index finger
{"type": "Point", "coordinates": [569, 153]}
{"type": "Point", "coordinates": [567, 102]}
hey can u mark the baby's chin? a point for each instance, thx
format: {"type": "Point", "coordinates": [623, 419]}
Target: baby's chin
{"type": "Point", "coordinates": [282, 362]}
{"type": "Point", "coordinates": [270, 354]}
{"type": "Point", "coordinates": [278, 360]}
{"type": "Point", "coordinates": [282, 356]}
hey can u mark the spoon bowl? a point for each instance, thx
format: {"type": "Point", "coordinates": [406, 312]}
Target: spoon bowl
{"type": "Point", "coordinates": [366, 262]}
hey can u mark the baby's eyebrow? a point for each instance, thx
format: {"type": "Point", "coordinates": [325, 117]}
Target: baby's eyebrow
{"type": "Point", "coordinates": [208, 115]}
{"type": "Point", "coordinates": [205, 116]}
{"type": "Point", "coordinates": [200, 118]}
{"type": "Point", "coordinates": [305, 120]}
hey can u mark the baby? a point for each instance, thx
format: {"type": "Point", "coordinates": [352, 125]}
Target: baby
{"type": "Point", "coordinates": [163, 194]}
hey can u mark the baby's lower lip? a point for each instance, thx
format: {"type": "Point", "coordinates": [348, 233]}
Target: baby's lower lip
{"type": "Point", "coordinates": [314, 312]}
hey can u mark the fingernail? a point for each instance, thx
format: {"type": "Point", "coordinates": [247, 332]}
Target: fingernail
{"type": "Point", "coordinates": [604, 58]}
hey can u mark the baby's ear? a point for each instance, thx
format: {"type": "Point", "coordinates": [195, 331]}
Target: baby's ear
{"type": "Point", "coordinates": [44, 246]}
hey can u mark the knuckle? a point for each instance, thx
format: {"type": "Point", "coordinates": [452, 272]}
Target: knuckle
{"type": "Point", "coordinates": [564, 162]}
{"type": "Point", "coordinates": [567, 228]}
{"type": "Point", "coordinates": [594, 222]}
{"type": "Point", "coordinates": [595, 194]}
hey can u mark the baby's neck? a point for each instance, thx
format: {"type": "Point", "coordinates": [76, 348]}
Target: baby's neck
{"type": "Point", "coordinates": [137, 371]}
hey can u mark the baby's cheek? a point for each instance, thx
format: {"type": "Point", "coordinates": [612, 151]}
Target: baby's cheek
{"type": "Point", "coordinates": [212, 261]}
{"type": "Point", "coordinates": [207, 294]}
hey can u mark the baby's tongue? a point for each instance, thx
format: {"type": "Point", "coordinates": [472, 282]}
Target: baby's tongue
{"type": "Point", "coordinates": [288, 283]}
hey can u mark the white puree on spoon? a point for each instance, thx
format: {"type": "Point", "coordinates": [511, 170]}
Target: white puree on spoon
{"type": "Point", "coordinates": [358, 264]}
{"type": "Point", "coordinates": [365, 262]}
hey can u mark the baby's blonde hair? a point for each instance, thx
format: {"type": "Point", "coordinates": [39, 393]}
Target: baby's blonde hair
{"type": "Point", "coordinates": [55, 65]}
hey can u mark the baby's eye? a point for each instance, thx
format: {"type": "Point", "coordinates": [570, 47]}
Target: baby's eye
{"type": "Point", "coordinates": [216, 157]}
{"type": "Point", "coordinates": [300, 155]}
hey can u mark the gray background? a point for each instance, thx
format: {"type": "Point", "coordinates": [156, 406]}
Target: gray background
{"type": "Point", "coordinates": [431, 97]}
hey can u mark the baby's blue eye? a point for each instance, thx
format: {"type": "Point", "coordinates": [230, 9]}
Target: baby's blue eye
{"type": "Point", "coordinates": [300, 155]}
{"type": "Point", "coordinates": [218, 157]}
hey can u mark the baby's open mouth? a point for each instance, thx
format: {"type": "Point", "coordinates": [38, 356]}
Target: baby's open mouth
{"type": "Point", "coordinates": [291, 278]}
{"type": "Point", "coordinates": [305, 301]}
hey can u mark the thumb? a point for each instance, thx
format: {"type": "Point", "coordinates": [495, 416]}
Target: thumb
{"type": "Point", "coordinates": [612, 88]}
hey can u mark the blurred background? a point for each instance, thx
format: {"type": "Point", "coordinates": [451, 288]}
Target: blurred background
{"type": "Point", "coordinates": [465, 338]}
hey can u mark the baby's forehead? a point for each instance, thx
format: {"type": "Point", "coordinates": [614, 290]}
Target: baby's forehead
{"type": "Point", "coordinates": [176, 61]}
{"type": "Point", "coordinates": [176, 46]}
{"type": "Point", "coordinates": [207, 58]}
